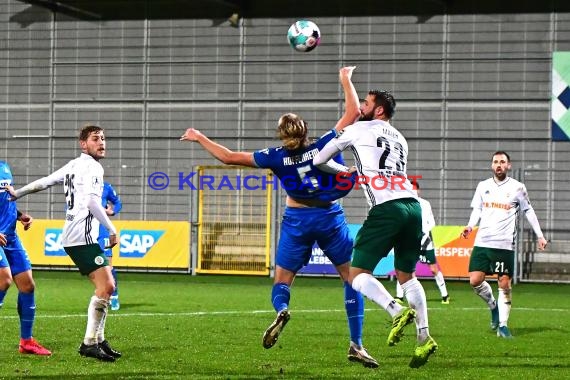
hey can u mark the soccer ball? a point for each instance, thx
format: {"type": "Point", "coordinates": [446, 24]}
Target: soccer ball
{"type": "Point", "coordinates": [304, 35]}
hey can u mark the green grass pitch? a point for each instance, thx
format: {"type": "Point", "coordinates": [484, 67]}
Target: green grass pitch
{"type": "Point", "coordinates": [210, 327]}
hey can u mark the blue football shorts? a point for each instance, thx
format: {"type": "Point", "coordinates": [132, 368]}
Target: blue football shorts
{"type": "Point", "coordinates": [302, 227]}
{"type": "Point", "coordinates": [14, 255]}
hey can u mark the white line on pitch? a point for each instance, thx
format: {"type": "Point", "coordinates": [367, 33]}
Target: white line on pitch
{"type": "Point", "coordinates": [235, 312]}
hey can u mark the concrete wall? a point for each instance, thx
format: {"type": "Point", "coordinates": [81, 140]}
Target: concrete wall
{"type": "Point", "coordinates": [466, 85]}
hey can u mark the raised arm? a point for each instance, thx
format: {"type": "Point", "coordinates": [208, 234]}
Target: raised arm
{"type": "Point", "coordinates": [219, 151]}
{"type": "Point", "coordinates": [351, 101]}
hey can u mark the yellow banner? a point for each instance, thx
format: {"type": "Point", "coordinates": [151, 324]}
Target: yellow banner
{"type": "Point", "coordinates": [143, 244]}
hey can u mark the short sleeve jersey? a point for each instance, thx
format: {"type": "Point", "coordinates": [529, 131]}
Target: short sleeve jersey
{"type": "Point", "coordinates": [82, 177]}
{"type": "Point", "coordinates": [500, 204]}
{"type": "Point", "coordinates": [297, 174]}
{"type": "Point", "coordinates": [8, 210]}
{"type": "Point", "coordinates": [381, 154]}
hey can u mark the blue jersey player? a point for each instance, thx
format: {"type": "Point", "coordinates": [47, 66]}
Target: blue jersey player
{"type": "Point", "coordinates": [15, 265]}
{"type": "Point", "coordinates": [112, 205]}
{"type": "Point", "coordinates": [311, 213]}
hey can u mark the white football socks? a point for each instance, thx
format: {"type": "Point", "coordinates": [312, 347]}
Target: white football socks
{"type": "Point", "coordinates": [416, 297]}
{"type": "Point", "coordinates": [366, 284]}
{"type": "Point", "coordinates": [96, 313]}
{"type": "Point", "coordinates": [504, 305]}
{"type": "Point", "coordinates": [440, 281]}
{"type": "Point", "coordinates": [399, 290]}
{"type": "Point", "coordinates": [486, 293]}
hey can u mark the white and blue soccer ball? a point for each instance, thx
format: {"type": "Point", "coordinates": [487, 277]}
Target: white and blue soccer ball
{"type": "Point", "coordinates": [304, 35]}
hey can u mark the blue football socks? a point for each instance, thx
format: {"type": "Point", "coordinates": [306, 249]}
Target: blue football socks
{"type": "Point", "coordinates": [2, 295]}
{"type": "Point", "coordinates": [354, 305]}
{"type": "Point", "coordinates": [114, 273]}
{"type": "Point", "coordinates": [27, 313]}
{"type": "Point", "coordinates": [280, 296]}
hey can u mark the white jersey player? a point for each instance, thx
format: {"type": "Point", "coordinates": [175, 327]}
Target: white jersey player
{"type": "Point", "coordinates": [381, 154]}
{"type": "Point", "coordinates": [82, 180]}
{"type": "Point", "coordinates": [394, 218]}
{"type": "Point", "coordinates": [496, 204]}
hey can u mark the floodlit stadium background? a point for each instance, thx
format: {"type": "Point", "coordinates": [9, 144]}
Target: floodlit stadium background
{"type": "Point", "coordinates": [467, 81]}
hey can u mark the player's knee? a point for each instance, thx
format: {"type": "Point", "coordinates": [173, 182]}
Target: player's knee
{"type": "Point", "coordinates": [504, 282]}
{"type": "Point", "coordinates": [110, 288]}
{"type": "Point", "coordinates": [343, 272]}
{"type": "Point", "coordinates": [5, 283]}
{"type": "Point", "coordinates": [476, 279]}
{"type": "Point", "coordinates": [475, 282]}
{"type": "Point", "coordinates": [105, 290]}
{"type": "Point", "coordinates": [28, 287]}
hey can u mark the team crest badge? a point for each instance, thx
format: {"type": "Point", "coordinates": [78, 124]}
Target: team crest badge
{"type": "Point", "coordinates": [99, 260]}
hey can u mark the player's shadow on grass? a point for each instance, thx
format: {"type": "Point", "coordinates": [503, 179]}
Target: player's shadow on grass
{"type": "Point", "coordinates": [520, 331]}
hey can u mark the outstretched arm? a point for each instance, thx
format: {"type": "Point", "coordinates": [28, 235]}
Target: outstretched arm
{"type": "Point", "coordinates": [219, 151]}
{"type": "Point", "coordinates": [351, 101]}
{"type": "Point", "coordinates": [38, 185]}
